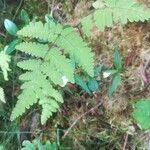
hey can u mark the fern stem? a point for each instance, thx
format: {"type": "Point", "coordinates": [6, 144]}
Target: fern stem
{"type": "Point", "coordinates": [14, 79]}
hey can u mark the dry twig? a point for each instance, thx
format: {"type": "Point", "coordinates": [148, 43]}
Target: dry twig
{"type": "Point", "coordinates": [125, 142]}
{"type": "Point", "coordinates": [77, 120]}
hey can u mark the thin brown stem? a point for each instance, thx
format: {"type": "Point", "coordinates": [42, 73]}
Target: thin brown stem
{"type": "Point", "coordinates": [2, 34]}
{"type": "Point", "coordinates": [53, 2]}
{"type": "Point", "coordinates": [77, 120]}
{"type": "Point", "coordinates": [125, 142]}
{"type": "Point", "coordinates": [18, 8]}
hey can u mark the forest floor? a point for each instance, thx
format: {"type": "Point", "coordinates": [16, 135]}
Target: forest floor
{"type": "Point", "coordinates": [88, 122]}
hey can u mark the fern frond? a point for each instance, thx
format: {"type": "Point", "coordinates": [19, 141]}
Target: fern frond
{"type": "Point", "coordinates": [65, 38]}
{"type": "Point", "coordinates": [25, 101]}
{"type": "Point", "coordinates": [30, 75]}
{"type": "Point", "coordinates": [114, 11]}
{"type": "Point", "coordinates": [4, 64]}
{"type": "Point", "coordinates": [31, 64]}
{"type": "Point", "coordinates": [103, 18]}
{"type": "Point", "coordinates": [49, 70]}
{"type": "Point", "coordinates": [50, 62]}
{"type": "Point", "coordinates": [35, 30]}
{"type": "Point", "coordinates": [87, 24]}
{"type": "Point", "coordinates": [36, 89]}
{"type": "Point", "coordinates": [49, 106]}
{"type": "Point", "coordinates": [60, 63]}
{"type": "Point", "coordinates": [47, 32]}
{"type": "Point", "coordinates": [74, 45]}
{"type": "Point", "coordinates": [33, 49]}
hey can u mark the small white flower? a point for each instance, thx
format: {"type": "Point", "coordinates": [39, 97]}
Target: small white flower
{"type": "Point", "coordinates": [65, 80]}
{"type": "Point", "coordinates": [106, 74]}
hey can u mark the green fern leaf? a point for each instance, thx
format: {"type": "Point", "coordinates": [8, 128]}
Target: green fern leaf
{"type": "Point", "coordinates": [27, 76]}
{"type": "Point", "coordinates": [49, 70]}
{"type": "Point", "coordinates": [65, 38]}
{"type": "Point", "coordinates": [88, 24]}
{"type": "Point", "coordinates": [61, 64]}
{"type": "Point", "coordinates": [31, 64]}
{"type": "Point", "coordinates": [4, 63]}
{"type": "Point", "coordinates": [49, 63]}
{"type": "Point", "coordinates": [47, 32]}
{"type": "Point", "coordinates": [40, 32]}
{"type": "Point", "coordinates": [74, 45]}
{"type": "Point", "coordinates": [105, 18]}
{"type": "Point", "coordinates": [34, 49]}
{"type": "Point", "coordinates": [25, 101]}
{"type": "Point", "coordinates": [49, 106]}
{"type": "Point", "coordinates": [113, 11]}
{"type": "Point", "coordinates": [36, 89]}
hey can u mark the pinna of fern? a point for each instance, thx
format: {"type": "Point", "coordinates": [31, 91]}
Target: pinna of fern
{"type": "Point", "coordinates": [108, 12]}
{"type": "Point", "coordinates": [4, 65]}
{"type": "Point", "coordinates": [51, 47]}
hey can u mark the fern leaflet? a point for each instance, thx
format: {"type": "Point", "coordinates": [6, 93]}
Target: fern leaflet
{"type": "Point", "coordinates": [4, 63]}
{"type": "Point", "coordinates": [112, 11]}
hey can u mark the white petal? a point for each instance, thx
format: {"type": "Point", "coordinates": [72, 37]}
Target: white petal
{"type": "Point", "coordinates": [106, 74]}
{"type": "Point", "coordinates": [65, 80]}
